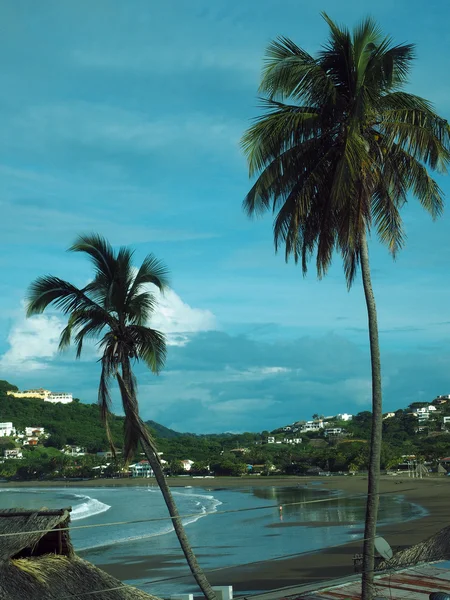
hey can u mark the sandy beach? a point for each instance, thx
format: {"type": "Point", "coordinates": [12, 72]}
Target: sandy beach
{"type": "Point", "coordinates": [431, 493]}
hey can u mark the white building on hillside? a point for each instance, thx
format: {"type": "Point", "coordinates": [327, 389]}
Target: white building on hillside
{"type": "Point", "coordinates": [7, 430]}
{"type": "Point", "coordinates": [74, 450]}
{"type": "Point", "coordinates": [334, 431]}
{"type": "Point", "coordinates": [312, 426]}
{"type": "Point", "coordinates": [141, 469]}
{"type": "Point", "coordinates": [187, 464]}
{"type": "Point", "coordinates": [45, 395]}
{"type": "Point", "coordinates": [59, 398]}
{"type": "Point", "coordinates": [292, 440]}
{"type": "Point", "coordinates": [344, 417]}
{"type": "Point", "coordinates": [423, 413]}
{"type": "Point", "coordinates": [34, 431]}
{"type": "Point", "coordinates": [14, 453]}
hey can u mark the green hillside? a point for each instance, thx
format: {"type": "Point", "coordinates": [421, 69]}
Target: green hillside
{"type": "Point", "coordinates": [162, 432]}
{"type": "Point", "coordinates": [75, 423]}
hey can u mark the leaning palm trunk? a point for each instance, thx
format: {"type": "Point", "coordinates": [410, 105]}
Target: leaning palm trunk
{"type": "Point", "coordinates": [191, 559]}
{"type": "Point", "coordinates": [140, 430]}
{"type": "Point", "coordinates": [367, 587]}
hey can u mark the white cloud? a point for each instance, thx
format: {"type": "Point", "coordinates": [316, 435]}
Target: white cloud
{"type": "Point", "coordinates": [178, 320]}
{"type": "Point", "coordinates": [33, 342]}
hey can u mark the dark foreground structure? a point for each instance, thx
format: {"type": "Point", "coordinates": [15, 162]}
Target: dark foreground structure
{"type": "Point", "coordinates": [37, 562]}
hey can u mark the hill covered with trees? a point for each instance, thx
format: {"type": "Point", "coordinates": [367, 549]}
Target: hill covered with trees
{"type": "Point", "coordinates": [79, 424]}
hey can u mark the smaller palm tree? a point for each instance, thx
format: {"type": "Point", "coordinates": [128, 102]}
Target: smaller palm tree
{"type": "Point", "coordinates": [114, 309]}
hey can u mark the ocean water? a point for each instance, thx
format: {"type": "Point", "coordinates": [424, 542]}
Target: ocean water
{"type": "Point", "coordinates": [126, 529]}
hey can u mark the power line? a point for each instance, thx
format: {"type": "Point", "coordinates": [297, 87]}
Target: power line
{"type": "Point", "coordinates": [215, 570]}
{"type": "Point", "coordinates": [200, 515]}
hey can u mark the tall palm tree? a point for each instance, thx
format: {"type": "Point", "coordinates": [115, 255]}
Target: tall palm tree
{"type": "Point", "coordinates": [114, 309]}
{"type": "Point", "coordinates": [339, 147]}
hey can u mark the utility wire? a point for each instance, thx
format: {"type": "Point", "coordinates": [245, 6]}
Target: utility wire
{"type": "Point", "coordinates": [200, 515]}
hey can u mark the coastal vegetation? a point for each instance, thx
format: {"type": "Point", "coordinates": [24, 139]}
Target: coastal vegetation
{"type": "Point", "coordinates": [78, 424]}
{"type": "Point", "coordinates": [113, 310]}
{"type": "Point", "coordinates": [337, 151]}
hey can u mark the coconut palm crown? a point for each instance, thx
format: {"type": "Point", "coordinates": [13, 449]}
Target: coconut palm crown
{"type": "Point", "coordinates": [341, 144]}
{"type": "Point", "coordinates": [114, 309]}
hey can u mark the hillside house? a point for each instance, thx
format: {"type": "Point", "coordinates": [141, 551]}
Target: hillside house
{"type": "Point", "coordinates": [45, 395]}
{"type": "Point", "coordinates": [74, 450]}
{"type": "Point", "coordinates": [34, 431]}
{"type": "Point", "coordinates": [344, 417]}
{"type": "Point", "coordinates": [442, 399]}
{"type": "Point", "coordinates": [187, 464]}
{"type": "Point", "coordinates": [292, 440]}
{"type": "Point", "coordinates": [141, 469]}
{"type": "Point", "coordinates": [423, 413]}
{"type": "Point", "coordinates": [271, 439]}
{"type": "Point", "coordinates": [30, 441]}
{"type": "Point", "coordinates": [13, 453]}
{"type": "Point", "coordinates": [312, 426]}
{"type": "Point", "coordinates": [389, 415]}
{"type": "Point", "coordinates": [334, 432]}
{"type": "Point", "coordinates": [7, 429]}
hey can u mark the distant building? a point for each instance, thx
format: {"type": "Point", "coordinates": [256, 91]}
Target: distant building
{"type": "Point", "coordinates": [30, 441]}
{"type": "Point", "coordinates": [141, 469]}
{"type": "Point", "coordinates": [292, 440]}
{"type": "Point", "coordinates": [344, 417]}
{"type": "Point", "coordinates": [14, 453]}
{"type": "Point", "coordinates": [333, 431]}
{"type": "Point", "coordinates": [423, 412]}
{"type": "Point", "coordinates": [39, 393]}
{"type": "Point", "coordinates": [7, 430]}
{"type": "Point", "coordinates": [74, 450]}
{"type": "Point", "coordinates": [42, 394]}
{"type": "Point", "coordinates": [442, 399]}
{"type": "Point", "coordinates": [389, 415]}
{"type": "Point", "coordinates": [34, 431]}
{"type": "Point", "coordinates": [187, 464]}
{"type": "Point", "coordinates": [312, 426]}
{"type": "Point", "coordinates": [58, 398]}
{"type": "Point", "coordinates": [271, 439]}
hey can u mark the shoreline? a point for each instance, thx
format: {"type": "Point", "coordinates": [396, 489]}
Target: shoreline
{"type": "Point", "coordinates": [432, 494]}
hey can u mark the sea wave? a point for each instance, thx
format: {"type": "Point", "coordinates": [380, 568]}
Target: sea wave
{"type": "Point", "coordinates": [202, 506]}
{"type": "Point", "coordinates": [88, 508]}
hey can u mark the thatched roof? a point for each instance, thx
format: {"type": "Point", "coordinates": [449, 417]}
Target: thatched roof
{"type": "Point", "coordinates": [437, 547]}
{"type": "Point", "coordinates": [37, 561]}
{"type": "Point", "coordinates": [22, 530]}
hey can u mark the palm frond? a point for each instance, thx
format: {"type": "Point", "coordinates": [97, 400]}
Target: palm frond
{"type": "Point", "coordinates": [150, 346]}
{"type": "Point", "coordinates": [48, 290]}
{"type": "Point", "coordinates": [290, 72]}
{"type": "Point", "coordinates": [152, 271]}
{"type": "Point", "coordinates": [99, 250]}
{"type": "Point", "coordinates": [282, 127]}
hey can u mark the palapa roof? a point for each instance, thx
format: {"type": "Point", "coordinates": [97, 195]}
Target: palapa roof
{"type": "Point", "coordinates": [436, 547]}
{"type": "Point", "coordinates": [37, 561]}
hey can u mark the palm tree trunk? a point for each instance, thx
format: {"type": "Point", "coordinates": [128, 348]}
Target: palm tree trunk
{"type": "Point", "coordinates": [367, 585]}
{"type": "Point", "coordinates": [155, 464]}
{"type": "Point", "coordinates": [191, 559]}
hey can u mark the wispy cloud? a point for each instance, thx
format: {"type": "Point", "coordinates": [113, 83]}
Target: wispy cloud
{"type": "Point", "coordinates": [103, 125]}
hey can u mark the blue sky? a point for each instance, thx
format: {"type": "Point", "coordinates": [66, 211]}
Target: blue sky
{"type": "Point", "coordinates": [125, 119]}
